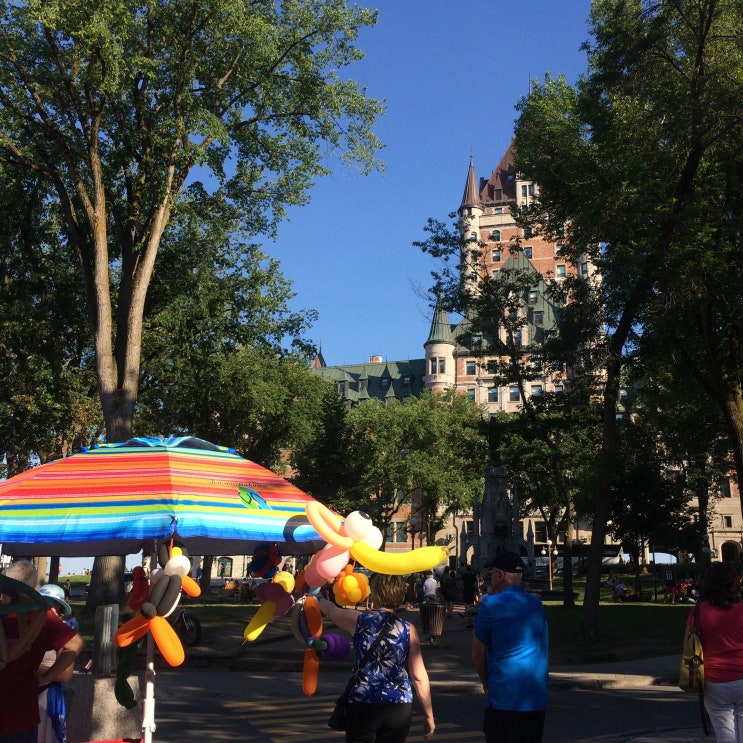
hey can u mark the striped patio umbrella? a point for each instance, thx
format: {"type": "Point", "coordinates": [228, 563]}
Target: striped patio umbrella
{"type": "Point", "coordinates": [117, 499]}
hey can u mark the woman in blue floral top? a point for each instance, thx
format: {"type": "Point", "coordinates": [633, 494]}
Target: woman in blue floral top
{"type": "Point", "coordinates": [380, 704]}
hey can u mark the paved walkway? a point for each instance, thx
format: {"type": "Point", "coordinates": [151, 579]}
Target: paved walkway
{"type": "Point", "coordinates": [448, 664]}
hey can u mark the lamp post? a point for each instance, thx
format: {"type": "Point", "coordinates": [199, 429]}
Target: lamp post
{"type": "Point", "coordinates": [549, 561]}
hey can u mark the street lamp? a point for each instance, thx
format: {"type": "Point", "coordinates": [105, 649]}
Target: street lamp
{"type": "Point", "coordinates": [549, 552]}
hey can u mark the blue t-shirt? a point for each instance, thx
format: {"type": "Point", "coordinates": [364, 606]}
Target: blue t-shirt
{"type": "Point", "coordinates": [513, 626]}
{"type": "Point", "coordinates": [384, 677]}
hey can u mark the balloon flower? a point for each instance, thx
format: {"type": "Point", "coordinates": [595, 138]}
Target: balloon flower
{"type": "Point", "coordinates": [276, 600]}
{"type": "Point", "coordinates": [350, 588]}
{"type": "Point", "coordinates": [160, 601]}
{"type": "Point", "coordinates": [358, 538]}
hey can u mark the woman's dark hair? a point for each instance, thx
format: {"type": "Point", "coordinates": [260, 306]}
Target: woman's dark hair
{"type": "Point", "coordinates": [721, 585]}
{"type": "Point", "coordinates": [387, 590]}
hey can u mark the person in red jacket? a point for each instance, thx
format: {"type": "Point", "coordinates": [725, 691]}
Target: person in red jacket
{"type": "Point", "coordinates": [21, 678]}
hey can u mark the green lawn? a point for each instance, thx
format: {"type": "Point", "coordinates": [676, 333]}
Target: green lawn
{"type": "Point", "coordinates": [626, 630]}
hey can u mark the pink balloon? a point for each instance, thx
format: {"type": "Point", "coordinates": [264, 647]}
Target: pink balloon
{"type": "Point", "coordinates": [330, 560]}
{"type": "Point", "coordinates": [311, 577]}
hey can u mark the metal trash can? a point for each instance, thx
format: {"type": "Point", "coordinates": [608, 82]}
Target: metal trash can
{"type": "Point", "coordinates": [432, 618]}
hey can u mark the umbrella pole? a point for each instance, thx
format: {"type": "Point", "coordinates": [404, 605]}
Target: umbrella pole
{"type": "Point", "coordinates": [148, 721]}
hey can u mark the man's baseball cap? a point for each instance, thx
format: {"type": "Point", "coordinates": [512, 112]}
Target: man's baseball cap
{"type": "Point", "coordinates": [508, 562]}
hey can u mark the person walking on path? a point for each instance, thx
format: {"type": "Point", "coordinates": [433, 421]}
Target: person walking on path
{"type": "Point", "coordinates": [449, 589]}
{"type": "Point", "coordinates": [721, 632]}
{"type": "Point", "coordinates": [510, 654]}
{"type": "Point", "coordinates": [380, 700]}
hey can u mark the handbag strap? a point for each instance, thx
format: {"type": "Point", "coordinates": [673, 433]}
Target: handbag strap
{"type": "Point", "coordinates": [368, 654]}
{"type": "Point", "coordinates": [695, 623]}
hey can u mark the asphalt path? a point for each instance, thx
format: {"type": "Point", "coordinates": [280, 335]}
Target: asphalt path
{"type": "Point", "coordinates": [217, 706]}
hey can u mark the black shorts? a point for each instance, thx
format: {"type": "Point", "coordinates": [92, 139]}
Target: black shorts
{"type": "Point", "coordinates": [508, 726]}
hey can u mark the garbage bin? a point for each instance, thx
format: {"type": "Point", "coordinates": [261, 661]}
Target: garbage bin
{"type": "Point", "coordinates": [432, 618]}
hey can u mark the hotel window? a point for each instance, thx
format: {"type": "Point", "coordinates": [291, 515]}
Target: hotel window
{"type": "Point", "coordinates": [517, 338]}
{"type": "Point", "coordinates": [498, 209]}
{"type": "Point", "coordinates": [406, 380]}
{"type": "Point", "coordinates": [727, 522]}
{"type": "Point", "coordinates": [471, 394]}
{"type": "Point", "coordinates": [362, 385]}
{"type": "Point", "coordinates": [385, 382]}
{"type": "Point", "coordinates": [495, 255]}
{"type": "Point", "coordinates": [433, 366]}
{"type": "Point", "coordinates": [533, 295]}
{"type": "Point", "coordinates": [584, 269]}
{"type": "Point", "coordinates": [560, 270]}
{"type": "Point", "coordinates": [492, 394]}
{"type": "Point", "coordinates": [442, 366]}
{"type": "Point", "coordinates": [559, 389]}
{"type": "Point", "coordinates": [528, 253]}
{"type": "Point", "coordinates": [528, 232]}
{"type": "Point", "coordinates": [498, 195]}
{"type": "Point", "coordinates": [471, 368]}
{"type": "Point", "coordinates": [342, 387]}
{"type": "Point", "coordinates": [495, 236]}
{"type": "Point", "coordinates": [538, 317]}
{"type": "Point", "coordinates": [513, 393]}
{"type": "Point", "coordinates": [536, 389]}
{"type": "Point", "coordinates": [531, 189]}
{"type": "Point", "coordinates": [523, 191]}
{"type": "Point", "coordinates": [473, 236]}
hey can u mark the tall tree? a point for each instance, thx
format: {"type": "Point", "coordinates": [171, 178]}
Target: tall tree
{"type": "Point", "coordinates": [622, 160]}
{"type": "Point", "coordinates": [115, 106]}
{"type": "Point", "coordinates": [428, 451]}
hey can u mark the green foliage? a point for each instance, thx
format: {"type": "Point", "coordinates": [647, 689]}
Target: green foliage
{"type": "Point", "coordinates": [627, 160]}
{"type": "Point", "coordinates": [428, 451]}
{"type": "Point", "coordinates": [48, 403]}
{"type": "Point", "coordinates": [116, 108]}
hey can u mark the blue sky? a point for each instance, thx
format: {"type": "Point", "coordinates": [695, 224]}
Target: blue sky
{"type": "Point", "coordinates": [452, 72]}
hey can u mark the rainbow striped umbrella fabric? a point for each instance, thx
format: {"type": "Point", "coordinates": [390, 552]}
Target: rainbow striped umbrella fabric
{"type": "Point", "coordinates": [116, 499]}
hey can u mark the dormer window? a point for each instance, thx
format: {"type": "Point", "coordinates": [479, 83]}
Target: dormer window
{"type": "Point", "coordinates": [385, 382]}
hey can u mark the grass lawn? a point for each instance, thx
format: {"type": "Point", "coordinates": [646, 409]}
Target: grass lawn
{"type": "Point", "coordinates": [626, 630]}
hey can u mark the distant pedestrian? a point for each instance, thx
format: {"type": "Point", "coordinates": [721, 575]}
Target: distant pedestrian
{"type": "Point", "coordinates": [510, 655]}
{"type": "Point", "coordinates": [469, 593]}
{"type": "Point", "coordinates": [449, 589]}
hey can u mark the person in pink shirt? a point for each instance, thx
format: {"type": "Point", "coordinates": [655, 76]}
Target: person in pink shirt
{"type": "Point", "coordinates": [721, 631]}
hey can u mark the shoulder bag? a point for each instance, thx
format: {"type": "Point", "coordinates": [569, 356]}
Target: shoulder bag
{"type": "Point", "coordinates": [337, 719]}
{"type": "Point", "coordinates": [691, 677]}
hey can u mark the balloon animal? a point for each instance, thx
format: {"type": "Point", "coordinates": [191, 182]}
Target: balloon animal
{"type": "Point", "coordinates": [358, 538]}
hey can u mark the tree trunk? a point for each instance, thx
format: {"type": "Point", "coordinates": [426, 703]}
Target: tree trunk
{"type": "Point", "coordinates": [207, 563]}
{"type": "Point", "coordinates": [106, 582]}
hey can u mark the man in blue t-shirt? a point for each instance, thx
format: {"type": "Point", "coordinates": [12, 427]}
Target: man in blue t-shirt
{"type": "Point", "coordinates": [510, 655]}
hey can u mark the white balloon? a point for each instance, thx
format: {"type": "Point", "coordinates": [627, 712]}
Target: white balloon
{"type": "Point", "coordinates": [374, 538]}
{"type": "Point", "coordinates": [357, 525]}
{"type": "Point", "coordinates": [178, 565]}
{"type": "Point", "coordinates": [155, 575]}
